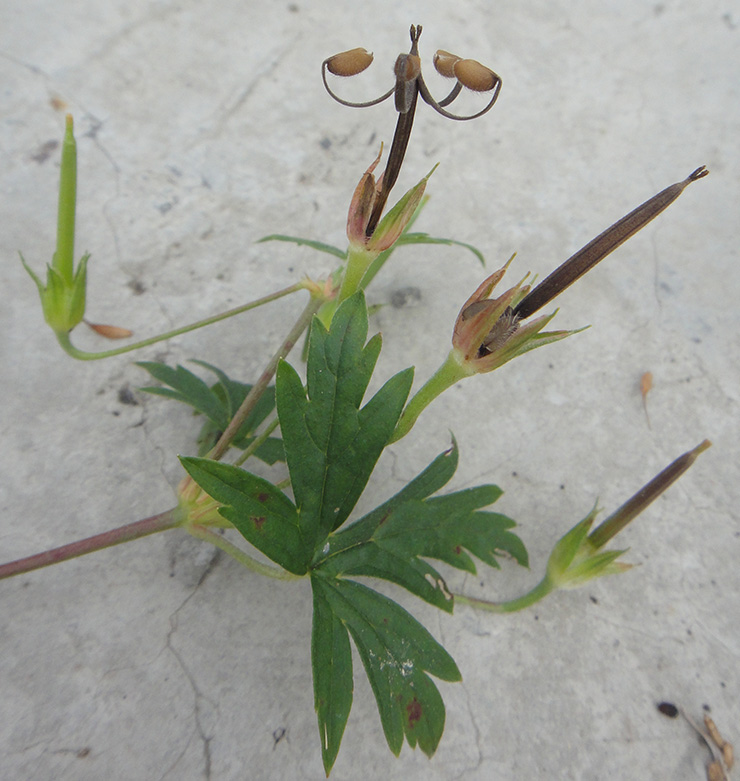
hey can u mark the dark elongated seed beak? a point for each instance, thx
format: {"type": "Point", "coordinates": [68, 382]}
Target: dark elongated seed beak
{"type": "Point", "coordinates": [645, 496]}
{"type": "Point", "coordinates": [587, 257]}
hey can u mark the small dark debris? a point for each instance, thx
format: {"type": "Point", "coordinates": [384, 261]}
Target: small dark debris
{"type": "Point", "coordinates": [325, 142]}
{"type": "Point", "coordinates": [83, 752]}
{"type": "Point", "coordinates": [594, 600]}
{"type": "Point", "coordinates": [405, 296]}
{"type": "Point", "coordinates": [126, 396]}
{"type": "Point", "coordinates": [293, 8]}
{"type": "Point", "coordinates": [278, 735]}
{"type": "Point", "coordinates": [668, 709]}
{"type": "Point", "coordinates": [42, 154]}
{"type": "Point", "coordinates": [136, 287]}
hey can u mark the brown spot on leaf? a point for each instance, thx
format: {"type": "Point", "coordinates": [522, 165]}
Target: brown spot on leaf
{"type": "Point", "coordinates": [263, 497]}
{"type": "Point", "coordinates": [414, 710]}
{"type": "Point", "coordinates": [458, 549]}
{"type": "Point", "coordinates": [385, 518]}
{"type": "Point", "coordinates": [258, 521]}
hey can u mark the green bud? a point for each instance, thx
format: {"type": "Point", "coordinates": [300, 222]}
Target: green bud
{"type": "Point", "coordinates": [63, 296]}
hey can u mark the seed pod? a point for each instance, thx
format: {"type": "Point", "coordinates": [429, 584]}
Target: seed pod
{"type": "Point", "coordinates": [349, 63]}
{"type": "Point", "coordinates": [444, 62]}
{"type": "Point", "coordinates": [474, 76]}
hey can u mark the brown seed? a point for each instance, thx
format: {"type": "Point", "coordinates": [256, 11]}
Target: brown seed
{"type": "Point", "coordinates": [349, 63]}
{"type": "Point", "coordinates": [444, 63]}
{"type": "Point", "coordinates": [474, 76]}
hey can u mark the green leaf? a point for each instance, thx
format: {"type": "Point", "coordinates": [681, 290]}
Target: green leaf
{"type": "Point", "coordinates": [218, 403]}
{"type": "Point", "coordinates": [188, 388]}
{"type": "Point", "coordinates": [389, 542]}
{"type": "Point", "coordinates": [318, 245]}
{"type": "Point", "coordinates": [397, 653]}
{"type": "Point", "coordinates": [425, 238]}
{"type": "Point", "coordinates": [331, 660]}
{"type": "Point", "coordinates": [262, 513]}
{"type": "Point", "coordinates": [331, 445]}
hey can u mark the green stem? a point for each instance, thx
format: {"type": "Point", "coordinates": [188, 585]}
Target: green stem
{"type": "Point", "coordinates": [358, 262]}
{"type": "Point", "coordinates": [132, 531]}
{"type": "Point", "coordinates": [541, 590]}
{"type": "Point", "coordinates": [258, 441]}
{"type": "Point", "coordinates": [449, 373]}
{"type": "Point", "coordinates": [208, 535]}
{"type": "Point", "coordinates": [260, 386]}
{"type": "Point", "coordinates": [82, 355]}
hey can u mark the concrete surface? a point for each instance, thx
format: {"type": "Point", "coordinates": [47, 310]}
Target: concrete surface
{"type": "Point", "coordinates": [203, 126]}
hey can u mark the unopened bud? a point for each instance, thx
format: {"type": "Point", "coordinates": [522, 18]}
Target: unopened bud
{"type": "Point", "coordinates": [474, 76]}
{"type": "Point", "coordinates": [444, 63]}
{"type": "Point", "coordinates": [349, 63]}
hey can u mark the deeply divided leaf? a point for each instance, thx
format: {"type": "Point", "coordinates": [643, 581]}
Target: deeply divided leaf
{"type": "Point", "coordinates": [390, 541]}
{"type": "Point", "coordinates": [218, 403]}
{"type": "Point", "coordinates": [263, 514]}
{"type": "Point", "coordinates": [331, 444]}
{"type": "Point", "coordinates": [397, 652]}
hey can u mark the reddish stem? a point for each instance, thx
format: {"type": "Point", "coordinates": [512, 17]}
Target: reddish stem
{"type": "Point", "coordinates": [132, 531]}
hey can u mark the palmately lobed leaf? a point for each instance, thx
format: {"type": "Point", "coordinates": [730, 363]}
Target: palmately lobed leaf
{"type": "Point", "coordinates": [397, 652]}
{"type": "Point", "coordinates": [331, 445]}
{"type": "Point", "coordinates": [390, 541]}
{"type": "Point", "coordinates": [218, 403]}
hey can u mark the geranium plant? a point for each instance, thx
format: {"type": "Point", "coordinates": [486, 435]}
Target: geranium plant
{"type": "Point", "coordinates": [330, 436]}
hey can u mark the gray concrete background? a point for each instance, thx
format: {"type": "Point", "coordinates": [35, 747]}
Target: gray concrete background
{"type": "Point", "coordinates": [203, 126]}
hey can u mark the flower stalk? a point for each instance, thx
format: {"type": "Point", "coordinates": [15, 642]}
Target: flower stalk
{"type": "Point", "coordinates": [577, 556]}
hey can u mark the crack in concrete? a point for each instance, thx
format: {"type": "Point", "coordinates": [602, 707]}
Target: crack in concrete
{"type": "Point", "coordinates": [226, 112]}
{"type": "Point", "coordinates": [198, 696]}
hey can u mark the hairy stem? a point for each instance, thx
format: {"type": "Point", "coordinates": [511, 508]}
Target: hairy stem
{"type": "Point", "coordinates": [132, 531]}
